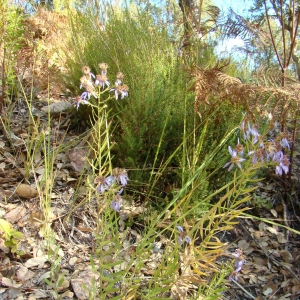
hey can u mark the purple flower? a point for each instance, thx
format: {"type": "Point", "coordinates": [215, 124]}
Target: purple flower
{"type": "Point", "coordinates": [237, 253]}
{"type": "Point", "coordinates": [239, 262]}
{"type": "Point", "coordinates": [102, 80]}
{"type": "Point", "coordinates": [182, 236]}
{"type": "Point", "coordinates": [120, 90]}
{"type": "Point", "coordinates": [110, 179]}
{"type": "Point", "coordinates": [179, 240]}
{"type": "Point", "coordinates": [120, 176]}
{"type": "Point", "coordinates": [87, 72]}
{"type": "Point", "coordinates": [85, 82]}
{"type": "Point", "coordinates": [234, 276]}
{"type": "Point", "coordinates": [103, 184]}
{"type": "Point", "coordinates": [252, 131]}
{"type": "Point", "coordinates": [187, 239]}
{"type": "Point", "coordinates": [239, 148]}
{"type": "Point", "coordinates": [234, 159]}
{"type": "Point", "coordinates": [257, 155]}
{"type": "Point", "coordinates": [273, 150]}
{"type": "Point", "coordinates": [103, 67]}
{"type": "Point", "coordinates": [116, 203]}
{"type": "Point", "coordinates": [79, 101]}
{"type": "Point", "coordinates": [119, 79]}
{"type": "Point", "coordinates": [283, 166]}
{"type": "Point", "coordinates": [284, 143]}
{"type": "Point", "coordinates": [89, 91]}
{"type": "Point", "coordinates": [180, 228]}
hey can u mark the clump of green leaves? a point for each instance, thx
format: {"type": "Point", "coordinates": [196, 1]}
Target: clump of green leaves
{"type": "Point", "coordinates": [56, 277]}
{"type": "Point", "coordinates": [10, 236]}
{"type": "Point", "coordinates": [12, 31]}
{"type": "Point", "coordinates": [154, 111]}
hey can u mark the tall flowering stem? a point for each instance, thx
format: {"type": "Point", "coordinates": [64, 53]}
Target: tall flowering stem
{"type": "Point", "coordinates": [95, 85]}
{"type": "Point", "coordinates": [114, 183]}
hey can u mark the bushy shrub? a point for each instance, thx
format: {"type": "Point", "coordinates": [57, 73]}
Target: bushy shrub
{"type": "Point", "coordinates": [155, 110]}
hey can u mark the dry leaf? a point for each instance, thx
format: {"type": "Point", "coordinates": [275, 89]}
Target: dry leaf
{"type": "Point", "coordinates": [13, 293]}
{"type": "Point", "coordinates": [40, 170]}
{"type": "Point", "coordinates": [296, 289]}
{"type": "Point", "coordinates": [36, 261]}
{"type": "Point", "coordinates": [44, 276]}
{"type": "Point", "coordinates": [15, 215]}
{"type": "Point", "coordinates": [285, 297]}
{"type": "Point", "coordinates": [10, 283]}
{"type": "Point", "coordinates": [73, 260]}
{"type": "Point", "coordinates": [86, 278]}
{"type": "Point", "coordinates": [37, 295]}
{"type": "Point", "coordinates": [2, 166]}
{"type": "Point", "coordinates": [242, 244]}
{"type": "Point", "coordinates": [274, 213]}
{"type": "Point", "coordinates": [286, 255]}
{"type": "Point", "coordinates": [260, 261]}
{"type": "Point", "coordinates": [68, 294]}
{"type": "Point", "coordinates": [281, 238]}
{"type": "Point", "coordinates": [37, 157]}
{"type": "Point", "coordinates": [65, 284]}
{"type": "Point", "coordinates": [267, 291]}
{"type": "Point", "coordinates": [257, 234]}
{"type": "Point", "coordinates": [272, 230]}
{"type": "Point", "coordinates": [24, 274]}
{"type": "Point", "coordinates": [36, 218]}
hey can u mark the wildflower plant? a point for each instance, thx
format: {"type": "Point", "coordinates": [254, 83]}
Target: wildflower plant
{"type": "Point", "coordinates": [183, 237]}
{"type": "Point", "coordinates": [114, 184]}
{"type": "Point", "coordinates": [266, 152]}
{"type": "Point", "coordinates": [238, 264]}
{"type": "Point", "coordinates": [95, 85]}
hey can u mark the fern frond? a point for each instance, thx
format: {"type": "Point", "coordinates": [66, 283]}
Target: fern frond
{"type": "Point", "coordinates": [212, 85]}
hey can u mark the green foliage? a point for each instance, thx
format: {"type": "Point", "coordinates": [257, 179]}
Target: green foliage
{"type": "Point", "coordinates": [55, 278]}
{"type": "Point", "coordinates": [12, 31]}
{"type": "Point", "coordinates": [11, 236]}
{"type": "Point", "coordinates": [154, 112]}
{"type": "Point", "coordinates": [215, 288]}
{"type": "Point", "coordinates": [261, 202]}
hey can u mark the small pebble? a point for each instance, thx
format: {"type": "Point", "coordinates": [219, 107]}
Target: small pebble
{"type": "Point", "coordinates": [26, 191]}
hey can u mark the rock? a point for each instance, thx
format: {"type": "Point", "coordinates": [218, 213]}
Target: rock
{"type": "Point", "coordinates": [26, 191]}
{"type": "Point", "coordinates": [56, 107]}
{"type": "Point", "coordinates": [78, 159]}
{"type": "Point", "coordinates": [86, 278]}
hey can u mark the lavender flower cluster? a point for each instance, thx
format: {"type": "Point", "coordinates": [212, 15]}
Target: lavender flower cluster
{"type": "Point", "coordinates": [183, 237]}
{"type": "Point", "coordinates": [238, 264]}
{"type": "Point", "coordinates": [89, 81]}
{"type": "Point", "coordinates": [116, 181]}
{"type": "Point", "coordinates": [267, 151]}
